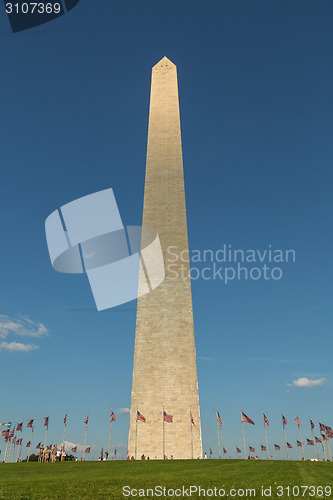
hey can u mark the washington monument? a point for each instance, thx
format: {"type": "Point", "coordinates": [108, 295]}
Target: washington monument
{"type": "Point", "coordinates": [164, 371]}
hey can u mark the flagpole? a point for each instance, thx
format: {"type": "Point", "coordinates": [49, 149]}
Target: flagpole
{"type": "Point", "coordinates": [322, 440]}
{"type": "Point", "coordinates": [63, 439]}
{"type": "Point", "coordinates": [328, 452]}
{"type": "Point", "coordinates": [314, 439]}
{"type": "Point", "coordinates": [218, 434]}
{"type": "Point", "coordinates": [12, 458]}
{"type": "Point", "coordinates": [265, 433]}
{"type": "Point", "coordinates": [300, 435]}
{"type": "Point", "coordinates": [13, 447]}
{"type": "Point", "coordinates": [20, 449]}
{"type": "Point", "coordinates": [285, 437]}
{"type": "Point", "coordinates": [9, 448]}
{"type": "Point", "coordinates": [110, 434]}
{"type": "Point", "coordinates": [85, 436]}
{"type": "Point", "coordinates": [307, 446]}
{"type": "Point", "coordinates": [136, 432]}
{"type": "Point", "coordinates": [328, 446]}
{"type": "Point", "coordinates": [243, 433]}
{"type": "Point", "coordinates": [299, 458]}
{"type": "Point", "coordinates": [32, 433]}
{"type": "Point", "coordinates": [323, 444]}
{"type": "Point", "coordinates": [47, 430]}
{"type": "Point", "coordinates": [163, 434]}
{"type": "Point", "coordinates": [191, 430]}
{"type": "Point", "coordinates": [11, 444]}
{"type": "Point", "coordinates": [5, 456]}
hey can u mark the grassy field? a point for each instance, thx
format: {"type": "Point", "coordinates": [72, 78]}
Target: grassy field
{"type": "Point", "coordinates": [105, 480]}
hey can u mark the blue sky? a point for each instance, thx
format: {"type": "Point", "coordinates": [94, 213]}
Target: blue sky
{"type": "Point", "coordinates": [255, 82]}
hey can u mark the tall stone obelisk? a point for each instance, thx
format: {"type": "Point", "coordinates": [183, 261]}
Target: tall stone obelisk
{"type": "Point", "coordinates": [164, 371]}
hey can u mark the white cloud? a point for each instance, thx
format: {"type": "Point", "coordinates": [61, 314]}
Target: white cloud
{"type": "Point", "coordinates": [270, 359]}
{"type": "Point", "coordinates": [124, 411]}
{"type": "Point", "coordinates": [22, 326]}
{"type": "Point", "coordinates": [69, 445]}
{"type": "Point", "coordinates": [17, 347]}
{"type": "Point", "coordinates": [306, 382]}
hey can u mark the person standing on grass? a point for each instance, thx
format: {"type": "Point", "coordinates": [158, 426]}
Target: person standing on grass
{"type": "Point", "coordinates": [63, 455]}
{"type": "Point", "coordinates": [54, 454]}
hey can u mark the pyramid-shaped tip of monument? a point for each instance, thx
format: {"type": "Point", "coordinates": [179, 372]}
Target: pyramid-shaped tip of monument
{"type": "Point", "coordinates": [164, 62]}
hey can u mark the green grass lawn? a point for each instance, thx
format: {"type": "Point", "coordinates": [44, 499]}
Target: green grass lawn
{"type": "Point", "coordinates": [105, 480]}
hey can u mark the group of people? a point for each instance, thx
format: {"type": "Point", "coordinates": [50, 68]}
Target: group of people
{"type": "Point", "coordinates": [143, 457]}
{"type": "Point", "coordinates": [53, 454]}
{"type": "Point", "coordinates": [102, 457]}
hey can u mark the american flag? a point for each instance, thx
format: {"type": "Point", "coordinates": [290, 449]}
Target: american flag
{"type": "Point", "coordinates": [324, 437]}
{"type": "Point", "coordinates": [87, 450]}
{"type": "Point", "coordinates": [112, 417]}
{"type": "Point", "coordinates": [317, 440]}
{"type": "Point", "coordinates": [65, 419]}
{"type": "Point", "coordinates": [11, 434]}
{"type": "Point", "coordinates": [5, 433]}
{"type": "Point", "coordinates": [140, 417]}
{"type": "Point", "coordinates": [297, 421]}
{"type": "Point", "coordinates": [253, 450]}
{"type": "Point", "coordinates": [46, 421]}
{"type": "Point", "coordinates": [312, 424]}
{"type": "Point", "coordinates": [224, 451]}
{"type": "Point", "coordinates": [246, 419]}
{"type": "Point", "coordinates": [192, 418]}
{"type": "Point", "coordinates": [309, 442]}
{"type": "Point", "coordinates": [299, 443]}
{"type": "Point", "coordinates": [86, 420]}
{"type": "Point", "coordinates": [277, 447]}
{"type": "Point", "coordinates": [210, 451]}
{"type": "Point", "coordinates": [329, 432]}
{"type": "Point", "coordinates": [38, 446]}
{"type": "Point", "coordinates": [289, 445]}
{"type": "Point", "coordinates": [74, 449]}
{"type": "Point", "coordinates": [322, 427]}
{"type": "Point", "coordinates": [219, 420]}
{"type": "Point", "coordinates": [14, 439]}
{"type": "Point", "coordinates": [28, 444]}
{"type": "Point", "coordinates": [19, 442]}
{"type": "Point", "coordinates": [266, 420]}
{"type": "Point", "coordinates": [19, 427]}
{"type": "Point", "coordinates": [284, 420]}
{"type": "Point", "coordinates": [263, 448]}
{"type": "Point", "coordinates": [30, 423]}
{"type": "Point", "coordinates": [167, 418]}
{"type": "Point", "coordinates": [238, 450]}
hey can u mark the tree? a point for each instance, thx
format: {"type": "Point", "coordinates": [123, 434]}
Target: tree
{"type": "Point", "coordinates": [33, 458]}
